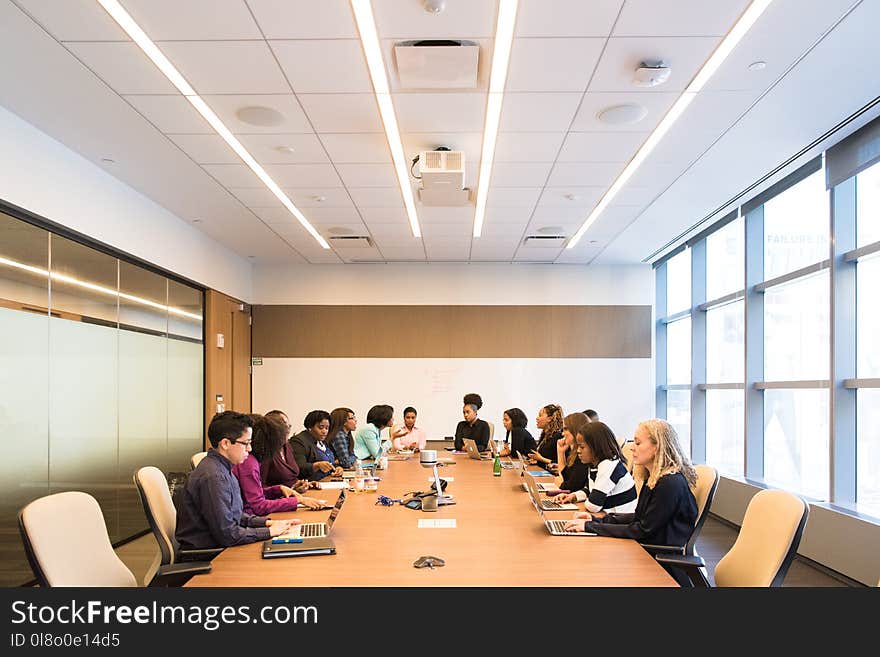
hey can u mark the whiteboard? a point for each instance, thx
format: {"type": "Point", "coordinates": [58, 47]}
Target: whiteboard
{"type": "Point", "coordinates": [620, 390]}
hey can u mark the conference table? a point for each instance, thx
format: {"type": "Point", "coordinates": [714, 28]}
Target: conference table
{"type": "Point", "coordinates": [498, 540]}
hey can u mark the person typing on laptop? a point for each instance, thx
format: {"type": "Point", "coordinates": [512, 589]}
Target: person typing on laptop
{"type": "Point", "coordinates": [472, 427]}
{"type": "Point", "coordinates": [210, 510]}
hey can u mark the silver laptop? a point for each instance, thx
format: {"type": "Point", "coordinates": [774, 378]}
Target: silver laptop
{"type": "Point", "coordinates": [556, 527]}
{"type": "Point", "coordinates": [524, 465]}
{"type": "Point", "coordinates": [473, 451]}
{"type": "Point", "coordinates": [547, 505]}
{"type": "Point", "coordinates": [317, 529]}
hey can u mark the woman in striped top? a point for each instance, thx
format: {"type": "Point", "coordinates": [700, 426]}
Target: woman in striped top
{"type": "Point", "coordinates": [610, 487]}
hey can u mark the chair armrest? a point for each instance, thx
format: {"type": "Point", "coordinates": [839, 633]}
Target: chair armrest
{"type": "Point", "coordinates": [663, 549]}
{"type": "Point", "coordinates": [177, 574]}
{"type": "Point", "coordinates": [198, 555]}
{"type": "Point", "coordinates": [692, 565]}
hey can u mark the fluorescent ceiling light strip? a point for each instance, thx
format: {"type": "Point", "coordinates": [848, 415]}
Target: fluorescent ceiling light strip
{"type": "Point", "coordinates": [363, 14]}
{"type": "Point", "coordinates": [498, 79]}
{"type": "Point", "coordinates": [127, 23]}
{"type": "Point", "coordinates": [745, 22]}
{"type": "Point", "coordinates": [64, 278]}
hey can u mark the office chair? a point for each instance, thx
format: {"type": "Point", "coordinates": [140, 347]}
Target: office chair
{"type": "Point", "coordinates": [196, 458]}
{"type": "Point", "coordinates": [162, 516]}
{"type": "Point", "coordinates": [704, 492]}
{"type": "Point", "coordinates": [762, 554]}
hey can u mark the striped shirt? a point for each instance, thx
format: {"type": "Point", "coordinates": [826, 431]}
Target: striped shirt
{"type": "Point", "coordinates": [610, 488]}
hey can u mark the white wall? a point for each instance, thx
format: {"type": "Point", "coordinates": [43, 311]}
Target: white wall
{"type": "Point", "coordinates": [620, 389]}
{"type": "Point", "coordinates": [41, 175]}
{"type": "Point", "coordinates": [441, 284]}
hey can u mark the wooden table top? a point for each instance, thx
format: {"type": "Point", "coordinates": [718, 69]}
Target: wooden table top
{"type": "Point", "coordinates": [499, 540]}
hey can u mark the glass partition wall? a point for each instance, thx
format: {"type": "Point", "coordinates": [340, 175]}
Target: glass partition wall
{"type": "Point", "coordinates": [101, 372]}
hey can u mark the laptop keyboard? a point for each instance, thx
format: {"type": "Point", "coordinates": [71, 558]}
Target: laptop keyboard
{"type": "Point", "coordinates": [550, 505]}
{"type": "Point", "coordinates": [558, 526]}
{"type": "Point", "coordinates": [308, 530]}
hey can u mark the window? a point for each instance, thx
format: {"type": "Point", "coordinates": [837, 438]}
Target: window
{"type": "Point", "coordinates": [724, 344]}
{"type": "Point", "coordinates": [797, 330]}
{"type": "Point", "coordinates": [678, 351]}
{"type": "Point", "coordinates": [678, 283]}
{"type": "Point", "coordinates": [868, 206]}
{"type": "Point", "coordinates": [724, 431]}
{"type": "Point", "coordinates": [725, 260]}
{"type": "Point", "coordinates": [868, 451]}
{"type": "Point", "coordinates": [796, 225]}
{"type": "Point", "coordinates": [868, 317]}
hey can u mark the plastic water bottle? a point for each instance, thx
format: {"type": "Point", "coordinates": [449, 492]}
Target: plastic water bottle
{"type": "Point", "coordinates": [359, 476]}
{"type": "Point", "coordinates": [383, 458]}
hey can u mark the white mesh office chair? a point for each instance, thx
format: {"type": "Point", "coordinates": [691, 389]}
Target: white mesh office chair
{"type": "Point", "coordinates": [196, 458]}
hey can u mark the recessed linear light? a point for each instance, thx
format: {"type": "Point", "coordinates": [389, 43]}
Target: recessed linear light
{"type": "Point", "coordinates": [743, 25]}
{"type": "Point", "coordinates": [497, 81]}
{"type": "Point", "coordinates": [55, 276]}
{"type": "Point", "coordinates": [133, 30]}
{"type": "Point", "coordinates": [363, 14]}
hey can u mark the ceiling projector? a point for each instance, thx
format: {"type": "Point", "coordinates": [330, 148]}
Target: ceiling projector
{"type": "Point", "coordinates": [442, 174]}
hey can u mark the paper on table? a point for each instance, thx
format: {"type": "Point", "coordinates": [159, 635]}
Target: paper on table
{"type": "Point", "coordinates": [439, 523]}
{"type": "Point", "coordinates": [431, 479]}
{"type": "Point", "coordinates": [333, 485]}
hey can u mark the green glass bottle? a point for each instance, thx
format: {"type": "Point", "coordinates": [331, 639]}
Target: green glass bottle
{"type": "Point", "coordinates": [496, 466]}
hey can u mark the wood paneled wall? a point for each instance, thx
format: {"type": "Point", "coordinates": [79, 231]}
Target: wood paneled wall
{"type": "Point", "coordinates": [227, 369]}
{"type": "Point", "coordinates": [452, 331]}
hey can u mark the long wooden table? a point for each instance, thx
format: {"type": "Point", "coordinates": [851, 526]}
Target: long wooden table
{"type": "Point", "coordinates": [498, 541]}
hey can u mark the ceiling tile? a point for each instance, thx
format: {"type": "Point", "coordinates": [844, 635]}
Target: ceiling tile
{"type": "Point", "coordinates": [74, 20]}
{"type": "Point", "coordinates": [580, 174]}
{"type": "Point", "coordinates": [508, 215]}
{"type": "Point", "coordinates": [303, 175]}
{"type": "Point", "coordinates": [320, 197]}
{"type": "Point", "coordinates": [268, 149]}
{"type": "Point", "coordinates": [536, 255]}
{"type": "Point", "coordinates": [501, 233]}
{"type": "Point", "coordinates": [367, 175]}
{"type": "Point", "coordinates": [622, 56]}
{"type": "Point", "coordinates": [333, 230]}
{"type": "Point", "coordinates": [293, 118]}
{"type": "Point", "coordinates": [332, 216]}
{"type": "Point", "coordinates": [520, 174]}
{"type": "Point", "coordinates": [563, 226]}
{"type": "Point", "coordinates": [409, 20]}
{"type": "Point", "coordinates": [571, 197]}
{"type": "Point", "coordinates": [680, 18]}
{"type": "Point", "coordinates": [528, 146]}
{"type": "Point", "coordinates": [227, 67]}
{"type": "Point", "coordinates": [366, 147]}
{"type": "Point", "coordinates": [601, 146]}
{"type": "Point", "coordinates": [319, 66]}
{"type": "Point", "coordinates": [342, 112]}
{"type": "Point", "coordinates": [464, 215]}
{"type": "Point", "coordinates": [355, 254]}
{"type": "Point", "coordinates": [437, 112]}
{"type": "Point", "coordinates": [561, 18]}
{"type": "Point", "coordinates": [193, 20]}
{"type": "Point", "coordinates": [401, 240]}
{"type": "Point", "coordinates": [170, 114]}
{"type": "Point", "coordinates": [505, 197]}
{"type": "Point", "coordinates": [378, 197]}
{"type": "Point", "coordinates": [304, 19]}
{"type": "Point", "coordinates": [206, 149]}
{"type": "Point", "coordinates": [557, 215]}
{"type": "Point", "coordinates": [548, 112]}
{"type": "Point", "coordinates": [392, 232]}
{"type": "Point", "coordinates": [123, 66]}
{"type": "Point", "coordinates": [404, 255]}
{"type": "Point", "coordinates": [552, 64]}
{"type": "Point", "coordinates": [233, 175]}
{"type": "Point", "coordinates": [656, 104]}
{"type": "Point", "coordinates": [468, 142]}
{"type": "Point", "coordinates": [431, 230]}
{"type": "Point", "coordinates": [376, 216]}
{"type": "Point", "coordinates": [255, 197]}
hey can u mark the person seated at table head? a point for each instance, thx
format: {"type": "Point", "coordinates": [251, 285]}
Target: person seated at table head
{"type": "Point", "coordinates": [549, 421]}
{"type": "Point", "coordinates": [269, 435]}
{"type": "Point", "coordinates": [282, 469]}
{"type": "Point", "coordinates": [610, 487]}
{"type": "Point", "coordinates": [414, 437]}
{"type": "Point", "coordinates": [343, 422]}
{"type": "Point", "coordinates": [367, 441]}
{"type": "Point", "coordinates": [592, 415]}
{"type": "Point", "coordinates": [471, 426]}
{"type": "Point", "coordinates": [572, 472]}
{"type": "Point", "coordinates": [210, 511]}
{"type": "Point", "coordinates": [666, 509]}
{"type": "Point", "coordinates": [517, 440]}
{"type": "Point", "coordinates": [313, 455]}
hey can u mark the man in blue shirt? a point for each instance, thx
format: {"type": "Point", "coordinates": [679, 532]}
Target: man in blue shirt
{"type": "Point", "coordinates": [209, 508]}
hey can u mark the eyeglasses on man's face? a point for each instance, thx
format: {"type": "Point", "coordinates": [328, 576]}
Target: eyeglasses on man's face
{"type": "Point", "coordinates": [246, 443]}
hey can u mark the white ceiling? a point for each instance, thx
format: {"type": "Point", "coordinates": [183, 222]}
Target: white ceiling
{"type": "Point", "coordinates": [554, 158]}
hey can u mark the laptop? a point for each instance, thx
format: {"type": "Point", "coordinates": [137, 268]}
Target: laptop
{"type": "Point", "coordinates": [524, 465]}
{"type": "Point", "coordinates": [556, 527]}
{"type": "Point", "coordinates": [547, 505]}
{"type": "Point", "coordinates": [473, 452]}
{"type": "Point", "coordinates": [309, 530]}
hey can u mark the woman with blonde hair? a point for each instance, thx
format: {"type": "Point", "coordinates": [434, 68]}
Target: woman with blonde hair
{"type": "Point", "coordinates": [550, 423]}
{"type": "Point", "coordinates": [666, 508]}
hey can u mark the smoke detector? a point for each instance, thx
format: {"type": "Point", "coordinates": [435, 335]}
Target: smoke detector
{"type": "Point", "coordinates": [442, 178]}
{"type": "Point", "coordinates": [651, 74]}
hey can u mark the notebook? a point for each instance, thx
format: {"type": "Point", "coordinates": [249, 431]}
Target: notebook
{"type": "Point", "coordinates": [310, 530]}
{"type": "Point", "coordinates": [311, 547]}
{"type": "Point", "coordinates": [555, 527]}
{"type": "Point", "coordinates": [545, 504]}
{"type": "Point", "coordinates": [473, 452]}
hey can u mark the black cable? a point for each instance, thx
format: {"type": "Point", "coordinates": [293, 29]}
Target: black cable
{"type": "Point", "coordinates": [416, 159]}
